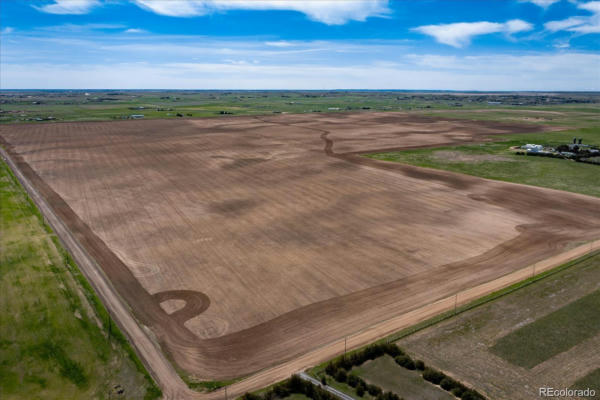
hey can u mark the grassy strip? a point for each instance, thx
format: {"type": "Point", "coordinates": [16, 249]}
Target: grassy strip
{"type": "Point", "coordinates": [53, 351]}
{"type": "Point", "coordinates": [496, 161]}
{"type": "Point", "coordinates": [486, 299]}
{"type": "Point", "coordinates": [315, 371]}
{"type": "Point", "coordinates": [205, 386]}
{"type": "Point", "coordinates": [591, 381]}
{"type": "Point", "coordinates": [552, 334]}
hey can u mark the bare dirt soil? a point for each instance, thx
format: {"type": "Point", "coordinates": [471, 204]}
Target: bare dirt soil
{"type": "Point", "coordinates": [463, 346]}
{"type": "Point", "coordinates": [275, 235]}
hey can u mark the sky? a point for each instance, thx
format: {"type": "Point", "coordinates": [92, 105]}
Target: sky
{"type": "Point", "coordinates": [541, 45]}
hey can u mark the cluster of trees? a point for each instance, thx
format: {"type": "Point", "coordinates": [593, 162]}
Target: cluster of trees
{"type": "Point", "coordinates": [338, 370]}
{"type": "Point", "coordinates": [293, 385]}
{"type": "Point", "coordinates": [357, 358]}
{"type": "Point", "coordinates": [363, 387]}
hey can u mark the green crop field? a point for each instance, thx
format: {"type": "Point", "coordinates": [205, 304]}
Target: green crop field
{"type": "Point", "coordinates": [410, 385]}
{"type": "Point", "coordinates": [551, 325]}
{"type": "Point", "coordinates": [556, 332]}
{"type": "Point", "coordinates": [54, 342]}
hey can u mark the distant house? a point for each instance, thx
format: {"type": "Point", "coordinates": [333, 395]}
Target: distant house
{"type": "Point", "coordinates": [136, 116]}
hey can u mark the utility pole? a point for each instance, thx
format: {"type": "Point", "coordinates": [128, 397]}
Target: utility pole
{"type": "Point", "coordinates": [455, 302]}
{"type": "Point", "coordinates": [225, 392]}
{"type": "Point", "coordinates": [109, 325]}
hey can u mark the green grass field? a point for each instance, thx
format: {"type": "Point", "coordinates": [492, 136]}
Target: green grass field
{"type": "Point", "coordinates": [495, 161]}
{"type": "Point", "coordinates": [389, 376]}
{"type": "Point", "coordinates": [54, 342]}
{"type": "Point", "coordinates": [556, 332]}
{"type": "Point", "coordinates": [79, 105]}
{"type": "Point", "coordinates": [591, 380]}
{"type": "Point", "coordinates": [99, 106]}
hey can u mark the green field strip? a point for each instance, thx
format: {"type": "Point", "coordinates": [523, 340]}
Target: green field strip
{"type": "Point", "coordinates": [54, 336]}
{"type": "Point", "coordinates": [552, 334]}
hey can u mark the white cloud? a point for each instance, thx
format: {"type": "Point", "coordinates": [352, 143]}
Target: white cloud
{"type": "Point", "coordinates": [542, 3]}
{"type": "Point", "coordinates": [562, 44]}
{"type": "Point", "coordinates": [567, 71]}
{"type": "Point", "coordinates": [331, 12]}
{"type": "Point", "coordinates": [517, 25]}
{"type": "Point", "coordinates": [7, 30]}
{"type": "Point", "coordinates": [565, 24]}
{"type": "Point", "coordinates": [579, 24]}
{"type": "Point", "coordinates": [592, 6]}
{"type": "Point", "coordinates": [460, 34]}
{"type": "Point", "coordinates": [279, 43]}
{"type": "Point", "coordinates": [135, 30]}
{"type": "Point", "coordinates": [69, 6]}
{"type": "Point", "coordinates": [81, 28]}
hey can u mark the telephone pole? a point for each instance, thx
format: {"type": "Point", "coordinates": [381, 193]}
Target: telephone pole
{"type": "Point", "coordinates": [455, 302]}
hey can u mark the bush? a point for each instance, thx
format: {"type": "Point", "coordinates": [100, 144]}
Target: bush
{"type": "Point", "coordinates": [345, 363]}
{"type": "Point", "coordinates": [388, 396]}
{"type": "Point", "coordinates": [352, 380]}
{"type": "Point", "coordinates": [392, 350]}
{"type": "Point", "coordinates": [357, 358]}
{"type": "Point", "coordinates": [457, 391]}
{"type": "Point", "coordinates": [405, 361]}
{"type": "Point", "coordinates": [330, 369]}
{"type": "Point", "coordinates": [360, 389]}
{"type": "Point", "coordinates": [341, 375]}
{"type": "Point", "coordinates": [352, 359]}
{"type": "Point", "coordinates": [471, 394]}
{"type": "Point", "coordinates": [448, 383]}
{"type": "Point", "coordinates": [296, 384]}
{"type": "Point", "coordinates": [324, 380]}
{"type": "Point", "coordinates": [433, 376]}
{"type": "Point", "coordinates": [281, 390]}
{"type": "Point", "coordinates": [374, 390]}
{"type": "Point", "coordinates": [251, 396]}
{"type": "Point", "coordinates": [420, 365]}
{"type": "Point", "coordinates": [269, 395]}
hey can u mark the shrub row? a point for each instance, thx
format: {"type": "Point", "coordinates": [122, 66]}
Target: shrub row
{"type": "Point", "coordinates": [357, 358]}
{"type": "Point", "coordinates": [293, 385]}
{"type": "Point", "coordinates": [587, 158]}
{"type": "Point", "coordinates": [338, 370]}
{"type": "Point", "coordinates": [447, 383]}
{"type": "Point", "coordinates": [363, 387]}
{"type": "Point", "coordinates": [438, 378]}
{"type": "Point", "coordinates": [357, 383]}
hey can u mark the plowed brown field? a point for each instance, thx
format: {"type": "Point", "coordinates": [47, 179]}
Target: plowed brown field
{"type": "Point", "coordinates": [244, 242]}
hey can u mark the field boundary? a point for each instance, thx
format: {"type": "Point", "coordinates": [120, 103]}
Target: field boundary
{"type": "Point", "coordinates": [173, 386]}
{"type": "Point", "coordinates": [115, 306]}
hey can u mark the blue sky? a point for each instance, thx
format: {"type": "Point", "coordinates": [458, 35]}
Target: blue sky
{"type": "Point", "coordinates": [301, 44]}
